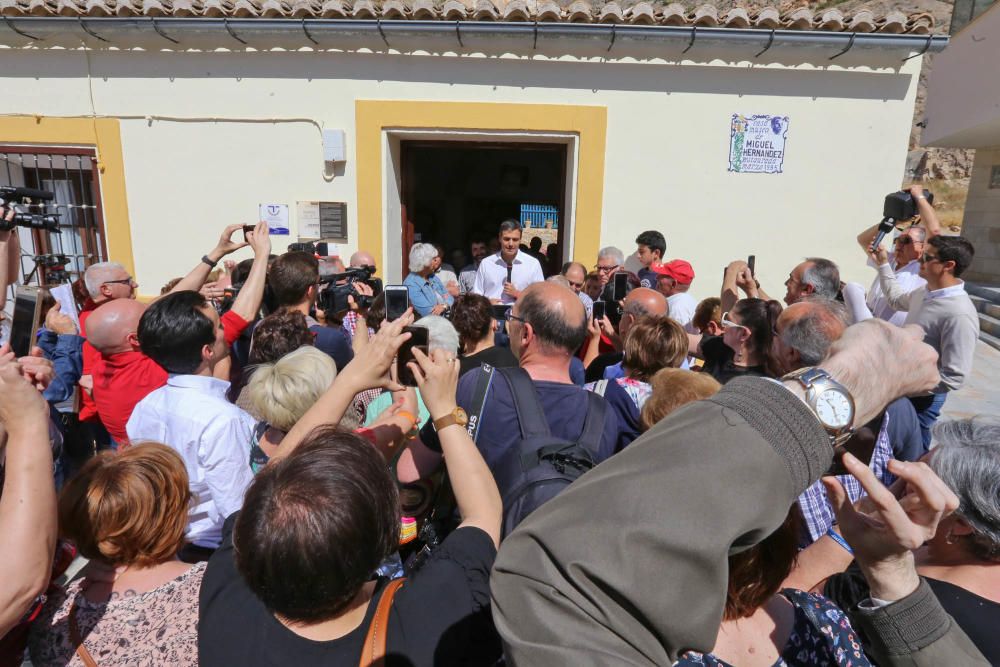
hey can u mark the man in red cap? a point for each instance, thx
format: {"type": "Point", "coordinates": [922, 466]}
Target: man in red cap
{"type": "Point", "coordinates": [674, 279]}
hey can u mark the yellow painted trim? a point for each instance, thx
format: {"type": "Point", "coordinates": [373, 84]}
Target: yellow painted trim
{"type": "Point", "coordinates": [372, 117]}
{"type": "Point", "coordinates": [104, 134]}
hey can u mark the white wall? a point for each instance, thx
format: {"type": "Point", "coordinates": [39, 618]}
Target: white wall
{"type": "Point", "coordinates": [667, 143]}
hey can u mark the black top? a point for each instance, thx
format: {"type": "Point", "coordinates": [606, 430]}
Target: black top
{"type": "Point", "coordinates": [595, 371]}
{"type": "Point", "coordinates": [434, 617]}
{"type": "Point", "coordinates": [498, 357]}
{"type": "Point", "coordinates": [978, 617]}
{"type": "Point", "coordinates": [719, 361]}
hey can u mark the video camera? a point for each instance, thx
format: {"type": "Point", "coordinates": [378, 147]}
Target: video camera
{"type": "Point", "coordinates": [55, 268]}
{"type": "Point", "coordinates": [898, 207]}
{"type": "Point", "coordinates": [322, 249]}
{"type": "Point", "coordinates": [333, 298]}
{"type": "Point", "coordinates": [20, 199]}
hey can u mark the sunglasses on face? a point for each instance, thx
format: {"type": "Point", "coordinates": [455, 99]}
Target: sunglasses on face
{"type": "Point", "coordinates": [726, 322]}
{"type": "Point", "coordinates": [903, 240]}
{"type": "Point", "coordinates": [925, 258]}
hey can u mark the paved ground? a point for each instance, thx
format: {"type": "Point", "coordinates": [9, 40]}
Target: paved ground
{"type": "Point", "coordinates": [981, 394]}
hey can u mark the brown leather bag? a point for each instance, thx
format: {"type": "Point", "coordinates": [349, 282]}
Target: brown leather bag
{"type": "Point", "coordinates": [74, 635]}
{"type": "Point", "coordinates": [373, 653]}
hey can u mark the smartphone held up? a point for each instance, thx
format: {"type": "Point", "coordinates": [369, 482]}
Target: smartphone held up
{"type": "Point", "coordinates": [418, 339]}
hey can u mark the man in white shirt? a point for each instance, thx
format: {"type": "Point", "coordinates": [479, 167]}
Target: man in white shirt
{"type": "Point", "coordinates": [905, 262]}
{"type": "Point", "coordinates": [182, 333]}
{"type": "Point", "coordinates": [502, 277]}
{"type": "Point", "coordinates": [674, 280]}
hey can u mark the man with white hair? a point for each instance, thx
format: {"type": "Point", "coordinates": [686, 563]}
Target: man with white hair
{"type": "Point", "coordinates": [502, 277]}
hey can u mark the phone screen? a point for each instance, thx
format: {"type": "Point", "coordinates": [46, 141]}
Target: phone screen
{"type": "Point", "coordinates": [246, 230]}
{"type": "Point", "coordinates": [397, 300]}
{"type": "Point", "coordinates": [599, 311]}
{"type": "Point", "coordinates": [418, 338]}
{"type": "Point", "coordinates": [752, 262]}
{"type": "Point", "coordinates": [25, 324]}
{"type": "Point", "coordinates": [621, 285]}
{"type": "Point", "coordinates": [500, 312]}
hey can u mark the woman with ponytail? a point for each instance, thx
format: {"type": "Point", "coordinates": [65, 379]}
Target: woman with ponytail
{"type": "Point", "coordinates": [745, 344]}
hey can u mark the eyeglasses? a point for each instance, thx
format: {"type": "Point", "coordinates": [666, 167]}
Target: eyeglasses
{"type": "Point", "coordinates": [606, 269]}
{"type": "Point", "coordinates": [928, 258]}
{"type": "Point", "coordinates": [509, 315]}
{"type": "Point", "coordinates": [123, 281]}
{"type": "Point", "coordinates": [903, 240]}
{"type": "Point", "coordinates": [726, 322]}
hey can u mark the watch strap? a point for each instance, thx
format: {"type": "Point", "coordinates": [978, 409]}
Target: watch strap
{"type": "Point", "coordinates": [208, 261]}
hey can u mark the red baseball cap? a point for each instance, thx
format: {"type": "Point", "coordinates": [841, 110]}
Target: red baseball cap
{"type": "Point", "coordinates": [678, 269]}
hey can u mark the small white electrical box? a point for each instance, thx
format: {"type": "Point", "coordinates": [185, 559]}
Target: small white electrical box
{"type": "Point", "coordinates": [334, 146]}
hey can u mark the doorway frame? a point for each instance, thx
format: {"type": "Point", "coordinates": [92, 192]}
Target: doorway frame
{"type": "Point", "coordinates": [562, 145]}
{"type": "Point", "coordinates": [381, 125]}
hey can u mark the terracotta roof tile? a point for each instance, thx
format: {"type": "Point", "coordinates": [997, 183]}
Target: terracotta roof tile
{"type": "Point", "coordinates": [628, 12]}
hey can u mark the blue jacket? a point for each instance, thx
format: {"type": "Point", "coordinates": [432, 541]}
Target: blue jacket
{"type": "Point", "coordinates": [66, 354]}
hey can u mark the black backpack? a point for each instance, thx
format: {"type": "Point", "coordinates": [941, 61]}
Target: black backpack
{"type": "Point", "coordinates": [539, 466]}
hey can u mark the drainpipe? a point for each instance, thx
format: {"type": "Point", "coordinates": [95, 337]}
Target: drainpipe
{"type": "Point", "coordinates": [172, 30]}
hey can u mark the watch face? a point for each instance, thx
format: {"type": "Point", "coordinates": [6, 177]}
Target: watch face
{"type": "Point", "coordinates": [834, 408]}
{"type": "Point", "coordinates": [460, 417]}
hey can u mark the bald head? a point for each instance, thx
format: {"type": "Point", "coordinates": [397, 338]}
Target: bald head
{"type": "Point", "coordinates": [644, 301]}
{"type": "Point", "coordinates": [362, 258]}
{"type": "Point", "coordinates": [807, 329]}
{"type": "Point", "coordinates": [111, 325]}
{"type": "Point", "coordinates": [555, 314]}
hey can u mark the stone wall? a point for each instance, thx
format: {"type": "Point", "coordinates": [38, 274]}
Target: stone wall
{"type": "Point", "coordinates": [982, 219]}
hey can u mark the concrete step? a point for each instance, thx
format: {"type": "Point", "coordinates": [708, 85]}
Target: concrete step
{"type": "Point", "coordinates": [990, 325]}
{"type": "Point", "coordinates": [989, 292]}
{"type": "Point", "coordinates": [986, 307]}
{"type": "Point", "coordinates": [992, 341]}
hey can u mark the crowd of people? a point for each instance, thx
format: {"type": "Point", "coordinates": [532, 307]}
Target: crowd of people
{"type": "Point", "coordinates": [589, 466]}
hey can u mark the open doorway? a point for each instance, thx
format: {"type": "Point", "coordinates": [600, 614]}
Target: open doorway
{"type": "Point", "coordinates": [455, 192]}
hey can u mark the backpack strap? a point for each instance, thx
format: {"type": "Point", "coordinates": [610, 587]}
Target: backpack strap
{"type": "Point", "coordinates": [593, 426]}
{"type": "Point", "coordinates": [526, 403]}
{"type": "Point", "coordinates": [373, 653]}
{"type": "Point", "coordinates": [486, 373]}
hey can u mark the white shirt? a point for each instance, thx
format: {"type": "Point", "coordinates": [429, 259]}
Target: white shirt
{"type": "Point", "coordinates": [192, 416]}
{"type": "Point", "coordinates": [492, 274]}
{"type": "Point", "coordinates": [908, 280]}
{"type": "Point", "coordinates": [680, 308]}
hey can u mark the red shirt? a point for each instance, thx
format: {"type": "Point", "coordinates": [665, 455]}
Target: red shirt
{"type": "Point", "coordinates": [91, 357]}
{"type": "Point", "coordinates": [122, 380]}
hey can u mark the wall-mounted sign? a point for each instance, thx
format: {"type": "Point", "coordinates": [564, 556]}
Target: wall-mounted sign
{"type": "Point", "coordinates": [276, 217]}
{"type": "Point", "coordinates": [322, 220]}
{"type": "Point", "coordinates": [757, 143]}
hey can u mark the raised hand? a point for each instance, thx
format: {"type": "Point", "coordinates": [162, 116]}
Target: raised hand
{"type": "Point", "coordinates": [59, 322]}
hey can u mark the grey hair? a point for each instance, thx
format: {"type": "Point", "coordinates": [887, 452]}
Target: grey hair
{"type": "Point", "coordinates": [559, 280]}
{"type": "Point", "coordinates": [919, 234]}
{"type": "Point", "coordinates": [612, 252]}
{"type": "Point", "coordinates": [967, 459]}
{"type": "Point", "coordinates": [421, 256]}
{"type": "Point", "coordinates": [823, 275]}
{"type": "Point", "coordinates": [812, 334]}
{"type": "Point", "coordinates": [441, 334]}
{"type": "Point", "coordinates": [97, 274]}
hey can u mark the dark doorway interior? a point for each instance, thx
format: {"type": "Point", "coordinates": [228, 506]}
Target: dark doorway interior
{"type": "Point", "coordinates": [455, 192]}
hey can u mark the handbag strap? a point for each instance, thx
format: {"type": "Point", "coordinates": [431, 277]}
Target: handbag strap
{"type": "Point", "coordinates": [373, 653]}
{"type": "Point", "coordinates": [74, 635]}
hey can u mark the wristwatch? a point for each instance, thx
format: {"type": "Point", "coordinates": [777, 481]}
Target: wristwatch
{"type": "Point", "coordinates": [829, 400]}
{"type": "Point", "coordinates": [456, 416]}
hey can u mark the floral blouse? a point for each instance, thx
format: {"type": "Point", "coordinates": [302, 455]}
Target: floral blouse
{"type": "Point", "coordinates": [158, 627]}
{"type": "Point", "coordinates": [821, 635]}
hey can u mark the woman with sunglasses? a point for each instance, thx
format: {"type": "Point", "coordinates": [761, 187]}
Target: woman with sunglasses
{"type": "Point", "coordinates": [745, 343]}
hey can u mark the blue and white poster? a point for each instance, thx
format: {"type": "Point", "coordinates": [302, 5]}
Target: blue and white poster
{"type": "Point", "coordinates": [276, 217]}
{"type": "Point", "coordinates": [757, 143]}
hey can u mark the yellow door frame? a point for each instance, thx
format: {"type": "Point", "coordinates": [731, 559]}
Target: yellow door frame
{"type": "Point", "coordinates": [589, 123]}
{"type": "Point", "coordinates": [102, 134]}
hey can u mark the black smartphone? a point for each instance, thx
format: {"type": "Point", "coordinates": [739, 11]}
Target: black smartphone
{"type": "Point", "coordinates": [620, 286]}
{"type": "Point", "coordinates": [323, 249]}
{"type": "Point", "coordinates": [500, 311]}
{"type": "Point", "coordinates": [27, 310]}
{"type": "Point", "coordinates": [397, 300]}
{"type": "Point", "coordinates": [752, 262]}
{"type": "Point", "coordinates": [599, 310]}
{"type": "Point", "coordinates": [418, 338]}
{"type": "Point", "coordinates": [247, 229]}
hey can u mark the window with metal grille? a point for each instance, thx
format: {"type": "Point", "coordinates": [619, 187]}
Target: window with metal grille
{"type": "Point", "coordinates": [70, 174]}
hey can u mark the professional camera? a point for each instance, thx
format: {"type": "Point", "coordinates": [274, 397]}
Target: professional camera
{"type": "Point", "coordinates": [333, 298]}
{"type": "Point", "coordinates": [20, 199]}
{"type": "Point", "coordinates": [321, 249]}
{"type": "Point", "coordinates": [900, 206]}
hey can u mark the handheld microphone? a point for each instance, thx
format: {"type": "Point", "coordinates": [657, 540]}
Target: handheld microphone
{"type": "Point", "coordinates": [884, 227]}
{"type": "Point", "coordinates": [510, 270]}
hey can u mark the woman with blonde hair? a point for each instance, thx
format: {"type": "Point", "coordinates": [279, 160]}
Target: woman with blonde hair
{"type": "Point", "coordinates": [281, 392]}
{"type": "Point", "coordinates": [125, 512]}
{"type": "Point", "coordinates": [674, 388]}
